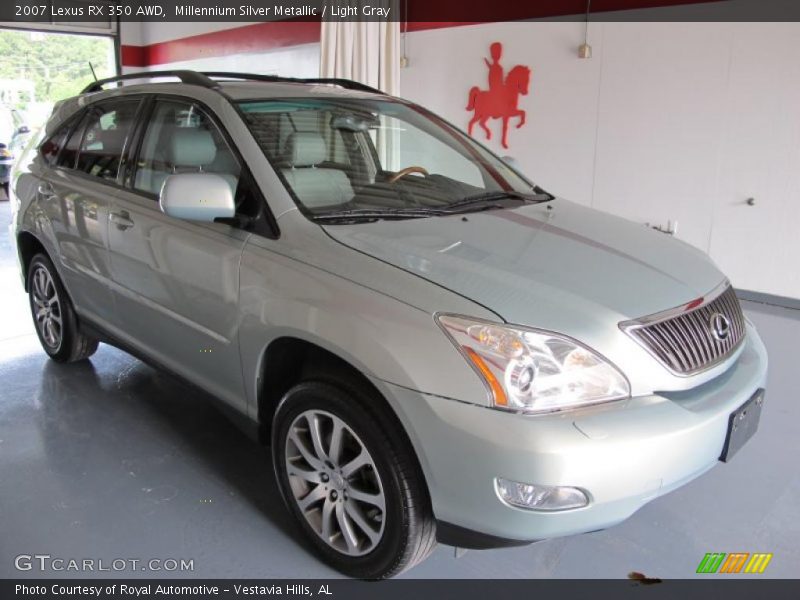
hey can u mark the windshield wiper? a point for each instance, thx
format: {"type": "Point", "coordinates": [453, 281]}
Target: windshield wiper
{"type": "Point", "coordinates": [486, 201]}
{"type": "Point", "coordinates": [490, 198]}
{"type": "Point", "coordinates": [375, 214]}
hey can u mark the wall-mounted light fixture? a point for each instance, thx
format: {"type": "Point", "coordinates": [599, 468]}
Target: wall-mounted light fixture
{"type": "Point", "coordinates": [585, 50]}
{"type": "Point", "coordinates": [404, 62]}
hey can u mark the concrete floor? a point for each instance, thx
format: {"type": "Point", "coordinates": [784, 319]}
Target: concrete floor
{"type": "Point", "coordinates": [112, 459]}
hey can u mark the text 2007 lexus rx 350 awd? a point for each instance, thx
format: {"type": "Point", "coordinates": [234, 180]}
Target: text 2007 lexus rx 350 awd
{"type": "Point", "coordinates": [435, 348]}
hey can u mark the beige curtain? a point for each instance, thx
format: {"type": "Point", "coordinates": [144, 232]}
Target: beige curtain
{"type": "Point", "coordinates": [364, 51]}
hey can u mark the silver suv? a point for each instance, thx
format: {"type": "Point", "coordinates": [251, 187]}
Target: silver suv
{"type": "Point", "coordinates": [436, 348]}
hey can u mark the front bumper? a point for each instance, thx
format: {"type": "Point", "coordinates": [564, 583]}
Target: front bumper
{"type": "Point", "coordinates": [623, 454]}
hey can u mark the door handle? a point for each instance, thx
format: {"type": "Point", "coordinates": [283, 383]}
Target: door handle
{"type": "Point", "coordinates": [121, 219]}
{"type": "Point", "coordinates": [45, 189]}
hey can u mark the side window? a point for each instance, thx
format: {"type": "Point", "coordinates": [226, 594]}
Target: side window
{"type": "Point", "coordinates": [107, 128]}
{"type": "Point", "coordinates": [52, 145]}
{"type": "Point", "coordinates": [70, 153]}
{"type": "Point", "coordinates": [181, 138]}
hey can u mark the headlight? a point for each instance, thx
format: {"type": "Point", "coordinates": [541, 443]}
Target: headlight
{"type": "Point", "coordinates": [534, 371]}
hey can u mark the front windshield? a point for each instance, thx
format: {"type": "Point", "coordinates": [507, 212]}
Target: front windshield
{"type": "Point", "coordinates": [359, 155]}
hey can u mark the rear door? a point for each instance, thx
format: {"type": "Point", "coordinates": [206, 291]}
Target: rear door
{"type": "Point", "coordinates": [176, 282]}
{"type": "Point", "coordinates": [77, 192]}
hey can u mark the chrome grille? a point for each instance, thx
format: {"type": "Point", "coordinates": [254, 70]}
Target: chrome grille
{"type": "Point", "coordinates": [690, 339]}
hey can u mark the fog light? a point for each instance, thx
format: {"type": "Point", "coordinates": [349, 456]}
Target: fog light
{"type": "Point", "coordinates": [540, 497]}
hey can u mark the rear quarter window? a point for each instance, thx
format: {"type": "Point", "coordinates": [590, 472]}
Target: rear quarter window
{"type": "Point", "coordinates": [104, 138]}
{"type": "Point", "coordinates": [51, 147]}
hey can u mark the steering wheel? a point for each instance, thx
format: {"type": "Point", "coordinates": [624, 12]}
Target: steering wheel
{"type": "Point", "coordinates": [407, 171]}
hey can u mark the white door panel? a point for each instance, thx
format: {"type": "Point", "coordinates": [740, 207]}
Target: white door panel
{"type": "Point", "coordinates": [758, 245]}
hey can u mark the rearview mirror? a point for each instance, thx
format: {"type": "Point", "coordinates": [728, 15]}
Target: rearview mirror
{"type": "Point", "coordinates": [197, 197]}
{"type": "Point", "coordinates": [354, 123]}
{"type": "Point", "coordinates": [512, 162]}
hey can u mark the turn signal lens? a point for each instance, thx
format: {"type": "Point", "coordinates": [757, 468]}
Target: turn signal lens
{"type": "Point", "coordinates": [498, 393]}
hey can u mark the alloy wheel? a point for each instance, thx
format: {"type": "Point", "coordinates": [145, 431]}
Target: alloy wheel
{"type": "Point", "coordinates": [335, 483]}
{"type": "Point", "coordinates": [47, 307]}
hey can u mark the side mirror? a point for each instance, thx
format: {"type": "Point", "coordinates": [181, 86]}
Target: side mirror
{"type": "Point", "coordinates": [197, 197]}
{"type": "Point", "coordinates": [23, 129]}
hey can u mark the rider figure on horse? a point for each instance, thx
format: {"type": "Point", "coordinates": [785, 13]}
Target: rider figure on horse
{"type": "Point", "coordinates": [501, 100]}
{"type": "Point", "coordinates": [496, 73]}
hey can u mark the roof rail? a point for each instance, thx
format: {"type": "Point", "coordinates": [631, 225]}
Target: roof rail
{"type": "Point", "coordinates": [206, 79]}
{"type": "Point", "coordinates": [191, 77]}
{"type": "Point", "coordinates": [345, 83]}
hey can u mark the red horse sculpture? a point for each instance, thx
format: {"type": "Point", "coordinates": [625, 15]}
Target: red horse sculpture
{"type": "Point", "coordinates": [500, 101]}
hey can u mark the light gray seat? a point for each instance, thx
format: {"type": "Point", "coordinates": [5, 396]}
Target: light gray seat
{"type": "Point", "coordinates": [314, 186]}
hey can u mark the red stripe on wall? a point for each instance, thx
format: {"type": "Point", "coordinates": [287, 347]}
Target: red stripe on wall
{"type": "Point", "coordinates": [133, 56]}
{"type": "Point", "coordinates": [259, 37]}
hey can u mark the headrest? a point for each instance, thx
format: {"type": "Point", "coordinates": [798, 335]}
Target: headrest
{"type": "Point", "coordinates": [112, 140]}
{"type": "Point", "coordinates": [189, 147]}
{"type": "Point", "coordinates": [305, 149]}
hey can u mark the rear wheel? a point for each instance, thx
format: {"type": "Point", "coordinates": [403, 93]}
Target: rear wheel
{"type": "Point", "coordinates": [350, 481]}
{"type": "Point", "coordinates": [55, 320]}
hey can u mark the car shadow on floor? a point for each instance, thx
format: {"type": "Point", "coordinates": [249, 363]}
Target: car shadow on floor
{"type": "Point", "coordinates": [114, 410]}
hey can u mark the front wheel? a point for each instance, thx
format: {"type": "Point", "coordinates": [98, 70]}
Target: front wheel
{"type": "Point", "coordinates": [350, 481]}
{"type": "Point", "coordinates": [55, 320]}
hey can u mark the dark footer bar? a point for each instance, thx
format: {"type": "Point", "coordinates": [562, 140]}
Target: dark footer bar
{"type": "Point", "coordinates": [401, 589]}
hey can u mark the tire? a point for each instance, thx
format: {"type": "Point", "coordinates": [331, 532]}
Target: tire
{"type": "Point", "coordinates": [402, 526]}
{"type": "Point", "coordinates": [5, 190]}
{"type": "Point", "coordinates": [53, 316]}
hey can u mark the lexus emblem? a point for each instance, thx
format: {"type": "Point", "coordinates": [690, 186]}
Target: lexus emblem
{"type": "Point", "coordinates": [720, 326]}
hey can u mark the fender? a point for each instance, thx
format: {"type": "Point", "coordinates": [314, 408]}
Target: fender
{"type": "Point", "coordinates": [284, 297]}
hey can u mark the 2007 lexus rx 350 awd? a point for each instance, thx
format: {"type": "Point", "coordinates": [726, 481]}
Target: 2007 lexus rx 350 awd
{"type": "Point", "coordinates": [435, 348]}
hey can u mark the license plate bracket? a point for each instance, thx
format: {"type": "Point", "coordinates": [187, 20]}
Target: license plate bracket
{"type": "Point", "coordinates": [742, 424]}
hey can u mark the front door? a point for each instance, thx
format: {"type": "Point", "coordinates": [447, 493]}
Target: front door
{"type": "Point", "coordinates": [176, 282]}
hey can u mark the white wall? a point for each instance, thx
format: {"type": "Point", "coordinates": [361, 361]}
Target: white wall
{"type": "Point", "coordinates": [760, 157]}
{"type": "Point", "coordinates": [668, 121]}
{"type": "Point", "coordinates": [130, 32]}
{"type": "Point", "coordinates": [297, 61]}
{"type": "Point", "coordinates": [154, 32]}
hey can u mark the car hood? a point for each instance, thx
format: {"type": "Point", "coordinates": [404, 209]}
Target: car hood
{"type": "Point", "coordinates": [552, 265]}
